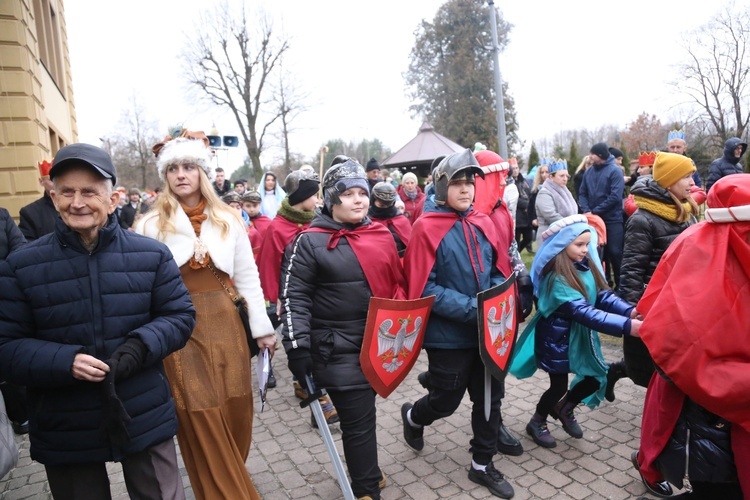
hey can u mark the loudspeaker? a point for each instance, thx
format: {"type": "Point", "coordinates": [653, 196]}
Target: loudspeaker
{"type": "Point", "coordinates": [214, 141]}
{"type": "Point", "coordinates": [231, 141]}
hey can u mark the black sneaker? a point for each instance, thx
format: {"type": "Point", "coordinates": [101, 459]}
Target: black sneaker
{"type": "Point", "coordinates": [493, 480]}
{"type": "Point", "coordinates": [412, 435]}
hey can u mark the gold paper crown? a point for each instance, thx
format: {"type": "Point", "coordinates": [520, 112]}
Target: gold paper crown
{"type": "Point", "coordinates": [646, 159]}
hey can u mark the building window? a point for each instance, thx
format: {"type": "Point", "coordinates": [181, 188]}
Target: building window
{"type": "Point", "coordinates": [48, 40]}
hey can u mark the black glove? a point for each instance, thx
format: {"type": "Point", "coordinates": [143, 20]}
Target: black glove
{"type": "Point", "coordinates": [526, 293]}
{"type": "Point", "coordinates": [128, 358]}
{"type": "Point", "coordinates": [300, 364]}
{"type": "Point", "coordinates": [114, 416]}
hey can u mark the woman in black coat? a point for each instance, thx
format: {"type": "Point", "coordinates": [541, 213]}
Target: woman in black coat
{"type": "Point", "coordinates": [665, 209]}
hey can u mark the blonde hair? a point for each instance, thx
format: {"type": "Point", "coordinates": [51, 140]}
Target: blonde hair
{"type": "Point", "coordinates": [682, 214]}
{"type": "Point", "coordinates": [538, 177]}
{"type": "Point", "coordinates": [585, 163]}
{"type": "Point", "coordinates": [167, 203]}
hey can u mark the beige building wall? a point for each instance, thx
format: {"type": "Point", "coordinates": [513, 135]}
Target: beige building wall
{"type": "Point", "coordinates": [37, 110]}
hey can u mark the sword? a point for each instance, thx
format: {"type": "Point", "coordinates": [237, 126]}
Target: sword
{"type": "Point", "coordinates": [325, 433]}
{"type": "Point", "coordinates": [487, 393]}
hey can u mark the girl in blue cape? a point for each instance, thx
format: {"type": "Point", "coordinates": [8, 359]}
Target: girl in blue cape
{"type": "Point", "coordinates": [574, 303]}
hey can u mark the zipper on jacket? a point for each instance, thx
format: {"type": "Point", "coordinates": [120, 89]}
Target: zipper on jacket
{"type": "Point", "coordinates": [686, 479]}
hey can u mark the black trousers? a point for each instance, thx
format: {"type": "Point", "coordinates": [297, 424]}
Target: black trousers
{"type": "Point", "coordinates": [356, 410]}
{"type": "Point", "coordinates": [558, 386]}
{"type": "Point", "coordinates": [524, 238]}
{"type": "Point", "coordinates": [452, 373]}
{"type": "Point", "coordinates": [151, 474]}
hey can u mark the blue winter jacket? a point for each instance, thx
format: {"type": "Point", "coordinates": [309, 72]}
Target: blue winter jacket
{"type": "Point", "coordinates": [601, 191]}
{"type": "Point", "coordinates": [58, 300]}
{"type": "Point", "coordinates": [728, 164]}
{"type": "Point", "coordinates": [453, 321]}
{"type": "Point", "coordinates": [610, 315]}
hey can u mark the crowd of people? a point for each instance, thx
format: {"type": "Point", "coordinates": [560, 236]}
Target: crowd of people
{"type": "Point", "coordinates": [119, 327]}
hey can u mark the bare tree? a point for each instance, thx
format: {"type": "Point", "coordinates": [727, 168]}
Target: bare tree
{"type": "Point", "coordinates": [130, 148]}
{"type": "Point", "coordinates": [289, 99]}
{"type": "Point", "coordinates": [716, 73]}
{"type": "Point", "coordinates": [231, 64]}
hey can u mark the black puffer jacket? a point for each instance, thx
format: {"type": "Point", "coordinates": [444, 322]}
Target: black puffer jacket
{"type": "Point", "coordinates": [710, 457]}
{"type": "Point", "coordinates": [57, 300]}
{"type": "Point", "coordinates": [325, 297]}
{"type": "Point", "coordinates": [647, 237]}
{"type": "Point", "coordinates": [38, 218]}
{"type": "Point", "coordinates": [10, 236]}
{"type": "Point", "coordinates": [728, 164]}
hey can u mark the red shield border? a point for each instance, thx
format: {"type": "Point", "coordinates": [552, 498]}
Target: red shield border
{"type": "Point", "coordinates": [383, 370]}
{"type": "Point", "coordinates": [497, 335]}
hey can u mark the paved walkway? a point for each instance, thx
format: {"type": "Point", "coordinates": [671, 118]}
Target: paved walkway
{"type": "Point", "coordinates": [288, 458]}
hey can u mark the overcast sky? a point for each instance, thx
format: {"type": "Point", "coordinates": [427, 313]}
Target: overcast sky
{"type": "Point", "coordinates": [568, 64]}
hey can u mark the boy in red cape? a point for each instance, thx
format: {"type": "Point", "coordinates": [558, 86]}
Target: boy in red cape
{"type": "Point", "coordinates": [330, 273]}
{"type": "Point", "coordinates": [383, 210]}
{"type": "Point", "coordinates": [454, 254]}
{"type": "Point", "coordinates": [259, 222]}
{"type": "Point", "coordinates": [696, 326]}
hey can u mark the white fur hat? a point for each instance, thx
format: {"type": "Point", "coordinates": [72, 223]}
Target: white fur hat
{"type": "Point", "coordinates": [182, 150]}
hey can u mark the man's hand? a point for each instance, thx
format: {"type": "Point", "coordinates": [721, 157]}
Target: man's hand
{"type": "Point", "coordinates": [88, 368]}
{"type": "Point", "coordinates": [300, 364]}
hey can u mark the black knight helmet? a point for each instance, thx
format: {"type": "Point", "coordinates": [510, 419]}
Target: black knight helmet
{"type": "Point", "coordinates": [453, 167]}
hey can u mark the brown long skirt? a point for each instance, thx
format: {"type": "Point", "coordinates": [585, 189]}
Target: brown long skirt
{"type": "Point", "coordinates": [210, 380]}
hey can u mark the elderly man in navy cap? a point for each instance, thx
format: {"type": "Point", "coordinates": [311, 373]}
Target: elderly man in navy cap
{"type": "Point", "coordinates": [87, 314]}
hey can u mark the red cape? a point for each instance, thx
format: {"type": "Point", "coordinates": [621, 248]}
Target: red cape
{"type": "Point", "coordinates": [503, 221]}
{"type": "Point", "coordinates": [375, 250]}
{"type": "Point", "coordinates": [697, 317]}
{"type": "Point", "coordinates": [400, 225]}
{"type": "Point", "coordinates": [280, 233]}
{"type": "Point", "coordinates": [261, 223]}
{"type": "Point", "coordinates": [426, 236]}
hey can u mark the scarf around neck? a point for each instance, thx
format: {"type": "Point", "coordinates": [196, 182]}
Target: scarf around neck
{"type": "Point", "coordinates": [568, 205]}
{"type": "Point", "coordinates": [196, 217]}
{"type": "Point", "coordinates": [293, 215]}
{"type": "Point", "coordinates": [667, 211]}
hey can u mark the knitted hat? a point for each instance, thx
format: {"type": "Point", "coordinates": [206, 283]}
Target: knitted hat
{"type": "Point", "coordinates": [300, 186]}
{"type": "Point", "coordinates": [341, 177]}
{"type": "Point", "coordinates": [616, 152]}
{"type": "Point", "coordinates": [183, 150]}
{"type": "Point", "coordinates": [670, 168]}
{"type": "Point", "coordinates": [372, 165]}
{"type": "Point", "coordinates": [407, 176]}
{"type": "Point", "coordinates": [601, 150]}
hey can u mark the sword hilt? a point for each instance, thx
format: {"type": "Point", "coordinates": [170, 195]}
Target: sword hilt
{"type": "Point", "coordinates": [313, 393]}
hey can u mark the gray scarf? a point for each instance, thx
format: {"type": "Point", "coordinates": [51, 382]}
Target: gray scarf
{"type": "Point", "coordinates": [563, 199]}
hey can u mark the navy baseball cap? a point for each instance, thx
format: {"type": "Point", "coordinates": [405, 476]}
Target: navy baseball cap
{"type": "Point", "coordinates": [85, 154]}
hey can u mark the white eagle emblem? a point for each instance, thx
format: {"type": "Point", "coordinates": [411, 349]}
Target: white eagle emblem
{"type": "Point", "coordinates": [501, 329]}
{"type": "Point", "coordinates": [391, 346]}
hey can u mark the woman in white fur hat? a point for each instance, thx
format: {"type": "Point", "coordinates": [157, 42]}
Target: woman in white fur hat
{"type": "Point", "coordinates": [210, 376]}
